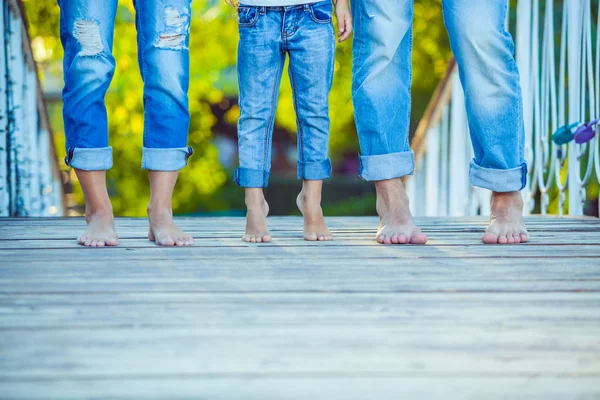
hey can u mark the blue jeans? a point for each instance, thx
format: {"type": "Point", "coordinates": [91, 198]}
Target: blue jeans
{"type": "Point", "coordinates": [381, 89]}
{"type": "Point", "coordinates": [86, 31]}
{"type": "Point", "coordinates": [267, 35]}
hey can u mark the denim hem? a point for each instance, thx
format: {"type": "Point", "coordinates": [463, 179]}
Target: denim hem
{"type": "Point", "coordinates": [89, 159]}
{"type": "Point", "coordinates": [386, 166]}
{"type": "Point", "coordinates": [499, 180]}
{"type": "Point", "coordinates": [251, 178]}
{"type": "Point", "coordinates": [159, 159]}
{"type": "Point", "coordinates": [314, 171]}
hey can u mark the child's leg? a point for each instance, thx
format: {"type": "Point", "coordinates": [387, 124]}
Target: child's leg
{"type": "Point", "coordinates": [260, 64]}
{"type": "Point", "coordinates": [309, 203]}
{"type": "Point", "coordinates": [163, 37]}
{"type": "Point", "coordinates": [86, 32]}
{"type": "Point", "coordinates": [256, 217]}
{"type": "Point", "coordinates": [312, 51]}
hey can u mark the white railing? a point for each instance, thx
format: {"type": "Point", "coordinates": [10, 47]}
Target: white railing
{"type": "Point", "coordinates": [560, 88]}
{"type": "Point", "coordinates": [30, 183]}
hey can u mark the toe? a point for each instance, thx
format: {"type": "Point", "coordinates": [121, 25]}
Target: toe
{"type": "Point", "coordinates": [517, 238]}
{"type": "Point", "coordinates": [387, 240]}
{"type": "Point", "coordinates": [178, 242]}
{"type": "Point", "coordinates": [167, 242]}
{"type": "Point", "coordinates": [88, 242]}
{"type": "Point", "coordinates": [394, 239]}
{"type": "Point", "coordinates": [310, 236]}
{"type": "Point", "coordinates": [112, 242]}
{"type": "Point", "coordinates": [380, 239]}
{"type": "Point", "coordinates": [258, 239]}
{"type": "Point", "coordinates": [253, 239]}
{"type": "Point", "coordinates": [100, 243]}
{"type": "Point", "coordinates": [402, 239]}
{"type": "Point", "coordinates": [524, 238]}
{"type": "Point", "coordinates": [502, 240]}
{"type": "Point", "coordinates": [321, 237]}
{"type": "Point", "coordinates": [266, 238]}
{"type": "Point", "coordinates": [510, 239]}
{"type": "Point", "coordinates": [82, 239]}
{"type": "Point", "coordinates": [418, 238]}
{"type": "Point", "coordinates": [490, 238]}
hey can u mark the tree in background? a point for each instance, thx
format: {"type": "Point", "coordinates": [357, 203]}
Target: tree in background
{"type": "Point", "coordinates": [213, 48]}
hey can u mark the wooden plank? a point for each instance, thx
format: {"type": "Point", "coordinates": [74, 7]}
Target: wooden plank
{"type": "Point", "coordinates": [336, 310]}
{"type": "Point", "coordinates": [339, 253]}
{"type": "Point", "coordinates": [133, 351]}
{"type": "Point", "coordinates": [288, 238]}
{"type": "Point", "coordinates": [391, 386]}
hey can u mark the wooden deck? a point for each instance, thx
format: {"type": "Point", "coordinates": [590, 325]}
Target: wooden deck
{"type": "Point", "coordinates": [348, 319]}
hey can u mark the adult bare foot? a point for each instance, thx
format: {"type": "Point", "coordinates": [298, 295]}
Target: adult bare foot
{"type": "Point", "coordinates": [163, 230]}
{"type": "Point", "coordinates": [506, 220]}
{"type": "Point", "coordinates": [256, 217]}
{"type": "Point", "coordinates": [100, 229]}
{"type": "Point", "coordinates": [396, 224]}
{"type": "Point", "coordinates": [309, 204]}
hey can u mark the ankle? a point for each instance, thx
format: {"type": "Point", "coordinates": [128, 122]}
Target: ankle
{"type": "Point", "coordinates": [507, 199]}
{"type": "Point", "coordinates": [98, 212]}
{"type": "Point", "coordinates": [159, 209]}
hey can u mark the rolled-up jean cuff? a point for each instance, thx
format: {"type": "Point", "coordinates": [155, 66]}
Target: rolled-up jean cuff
{"type": "Point", "coordinates": [89, 159]}
{"type": "Point", "coordinates": [386, 166]}
{"type": "Point", "coordinates": [173, 159]}
{"type": "Point", "coordinates": [251, 178]}
{"type": "Point", "coordinates": [499, 180]}
{"type": "Point", "coordinates": [314, 171]}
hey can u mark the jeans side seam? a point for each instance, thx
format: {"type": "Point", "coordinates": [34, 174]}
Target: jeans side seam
{"type": "Point", "coordinates": [271, 121]}
{"type": "Point", "coordinates": [141, 47]}
{"type": "Point", "coordinates": [298, 122]}
{"type": "Point", "coordinates": [410, 78]}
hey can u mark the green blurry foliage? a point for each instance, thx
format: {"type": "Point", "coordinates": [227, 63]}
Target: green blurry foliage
{"type": "Point", "coordinates": [213, 44]}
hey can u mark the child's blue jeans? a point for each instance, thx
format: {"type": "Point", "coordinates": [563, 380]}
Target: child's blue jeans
{"type": "Point", "coordinates": [267, 34]}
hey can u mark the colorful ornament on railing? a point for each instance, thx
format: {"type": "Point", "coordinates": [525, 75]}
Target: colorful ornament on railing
{"type": "Point", "coordinates": [586, 132]}
{"type": "Point", "coordinates": [564, 134]}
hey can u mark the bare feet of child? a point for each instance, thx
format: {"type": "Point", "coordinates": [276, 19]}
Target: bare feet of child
{"type": "Point", "coordinates": [309, 204]}
{"type": "Point", "coordinates": [256, 217]}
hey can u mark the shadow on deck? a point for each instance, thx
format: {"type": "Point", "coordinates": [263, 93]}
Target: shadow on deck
{"type": "Point", "coordinates": [348, 319]}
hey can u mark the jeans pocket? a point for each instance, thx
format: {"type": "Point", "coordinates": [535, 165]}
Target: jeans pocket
{"type": "Point", "coordinates": [321, 12]}
{"type": "Point", "coordinates": [247, 16]}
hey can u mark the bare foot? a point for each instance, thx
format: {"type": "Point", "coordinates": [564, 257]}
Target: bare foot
{"type": "Point", "coordinates": [100, 230]}
{"type": "Point", "coordinates": [506, 220]}
{"type": "Point", "coordinates": [396, 224]}
{"type": "Point", "coordinates": [256, 217]}
{"type": "Point", "coordinates": [163, 230]}
{"type": "Point", "coordinates": [309, 204]}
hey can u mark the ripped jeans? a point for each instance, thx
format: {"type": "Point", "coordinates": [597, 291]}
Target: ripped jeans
{"type": "Point", "coordinates": [86, 31]}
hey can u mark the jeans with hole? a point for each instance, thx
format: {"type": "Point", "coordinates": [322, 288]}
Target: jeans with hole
{"type": "Point", "coordinates": [305, 34]}
{"type": "Point", "coordinates": [86, 31]}
{"type": "Point", "coordinates": [381, 89]}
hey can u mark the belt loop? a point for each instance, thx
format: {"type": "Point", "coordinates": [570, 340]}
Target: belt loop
{"type": "Point", "coordinates": [263, 10]}
{"type": "Point", "coordinates": [306, 7]}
